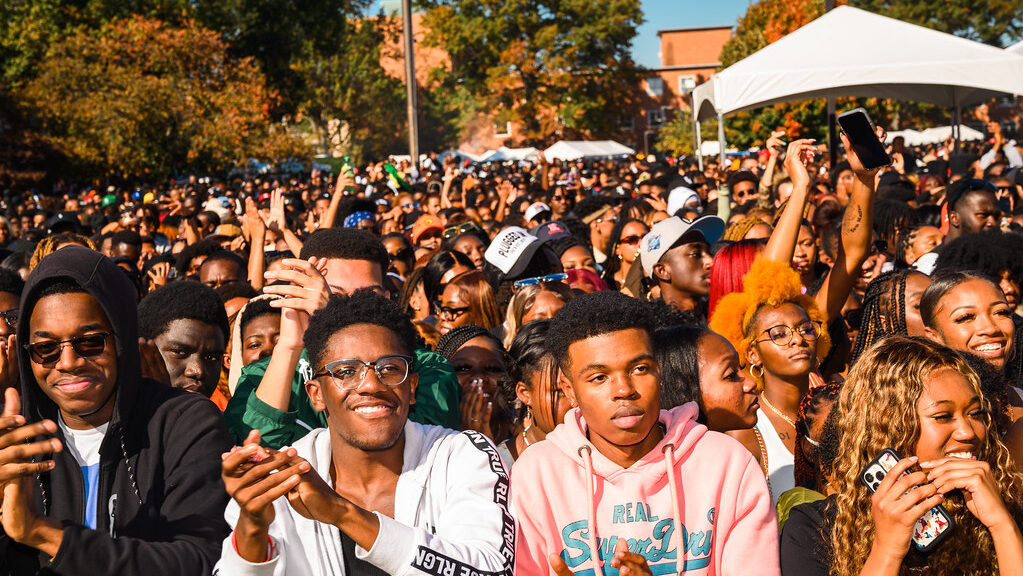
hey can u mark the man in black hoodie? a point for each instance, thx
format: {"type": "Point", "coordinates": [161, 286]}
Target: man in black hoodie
{"type": "Point", "coordinates": [131, 482]}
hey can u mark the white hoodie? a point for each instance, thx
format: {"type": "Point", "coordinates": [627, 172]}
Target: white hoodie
{"type": "Point", "coordinates": [450, 515]}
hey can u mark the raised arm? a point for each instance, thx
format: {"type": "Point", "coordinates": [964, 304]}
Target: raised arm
{"type": "Point", "coordinates": [782, 243]}
{"type": "Point", "coordinates": [774, 146]}
{"type": "Point", "coordinates": [256, 229]}
{"type": "Point", "coordinates": [857, 232]}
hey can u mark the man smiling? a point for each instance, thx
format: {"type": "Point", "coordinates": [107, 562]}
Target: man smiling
{"type": "Point", "coordinates": [684, 498]}
{"type": "Point", "coordinates": [129, 480]}
{"type": "Point", "coordinates": [372, 493]}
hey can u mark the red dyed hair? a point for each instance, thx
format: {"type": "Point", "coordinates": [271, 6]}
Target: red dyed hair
{"type": "Point", "coordinates": [731, 263]}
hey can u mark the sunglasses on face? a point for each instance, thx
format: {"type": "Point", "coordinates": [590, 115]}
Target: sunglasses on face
{"type": "Point", "coordinates": [559, 277]}
{"type": "Point", "coordinates": [450, 314]}
{"type": "Point", "coordinates": [11, 318]}
{"type": "Point", "coordinates": [630, 240]}
{"type": "Point", "coordinates": [458, 230]}
{"type": "Point", "coordinates": [87, 346]}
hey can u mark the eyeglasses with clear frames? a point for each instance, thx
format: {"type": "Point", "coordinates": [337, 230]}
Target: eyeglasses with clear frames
{"type": "Point", "coordinates": [781, 335]}
{"type": "Point", "coordinates": [350, 373]}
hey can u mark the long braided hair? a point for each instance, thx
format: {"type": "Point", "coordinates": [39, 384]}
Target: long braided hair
{"type": "Point", "coordinates": [809, 408]}
{"type": "Point", "coordinates": [884, 310]}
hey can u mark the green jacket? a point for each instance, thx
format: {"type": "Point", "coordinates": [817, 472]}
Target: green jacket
{"type": "Point", "coordinates": [437, 398]}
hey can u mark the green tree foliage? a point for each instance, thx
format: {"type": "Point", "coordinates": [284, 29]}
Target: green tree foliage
{"type": "Point", "coordinates": [988, 21]}
{"type": "Point", "coordinates": [549, 65]}
{"type": "Point", "coordinates": [139, 98]}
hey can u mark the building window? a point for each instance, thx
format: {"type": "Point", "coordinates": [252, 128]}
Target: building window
{"type": "Point", "coordinates": [655, 118]}
{"type": "Point", "coordinates": [502, 129]}
{"type": "Point", "coordinates": [686, 84]}
{"type": "Point", "coordinates": [655, 86]}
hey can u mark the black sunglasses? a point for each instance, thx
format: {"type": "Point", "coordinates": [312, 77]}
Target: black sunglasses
{"type": "Point", "coordinates": [86, 346]}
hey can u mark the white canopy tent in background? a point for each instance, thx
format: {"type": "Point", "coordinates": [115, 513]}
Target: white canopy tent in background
{"type": "Point", "coordinates": [834, 56]}
{"type": "Point", "coordinates": [504, 154]}
{"type": "Point", "coordinates": [1017, 48]}
{"type": "Point", "coordinates": [935, 135]}
{"type": "Point", "coordinates": [576, 149]}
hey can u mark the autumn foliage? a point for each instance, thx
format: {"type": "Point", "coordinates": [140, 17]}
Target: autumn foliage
{"type": "Point", "coordinates": [139, 98]}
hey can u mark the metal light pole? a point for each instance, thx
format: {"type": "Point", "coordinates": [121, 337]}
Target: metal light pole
{"type": "Point", "coordinates": [832, 133]}
{"type": "Point", "coordinates": [410, 83]}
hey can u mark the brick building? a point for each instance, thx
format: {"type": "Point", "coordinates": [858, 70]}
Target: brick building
{"type": "Point", "coordinates": [689, 56]}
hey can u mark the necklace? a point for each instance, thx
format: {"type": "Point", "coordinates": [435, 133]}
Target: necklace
{"type": "Point", "coordinates": [525, 438]}
{"type": "Point", "coordinates": [763, 456]}
{"type": "Point", "coordinates": [771, 407]}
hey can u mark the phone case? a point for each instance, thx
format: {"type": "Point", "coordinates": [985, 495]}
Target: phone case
{"type": "Point", "coordinates": [871, 152]}
{"type": "Point", "coordinates": [933, 526]}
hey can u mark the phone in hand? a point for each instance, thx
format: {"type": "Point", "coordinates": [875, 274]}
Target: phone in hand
{"type": "Point", "coordinates": [860, 130]}
{"type": "Point", "coordinates": [933, 526]}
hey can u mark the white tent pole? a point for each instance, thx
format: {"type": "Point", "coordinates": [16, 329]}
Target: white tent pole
{"type": "Point", "coordinates": [699, 142]}
{"type": "Point", "coordinates": [955, 118]}
{"type": "Point", "coordinates": [721, 141]}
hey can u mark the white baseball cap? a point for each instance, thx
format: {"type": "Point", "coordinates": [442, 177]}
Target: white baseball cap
{"type": "Point", "coordinates": [682, 197]}
{"type": "Point", "coordinates": [535, 209]}
{"type": "Point", "coordinates": [666, 233]}
{"type": "Point", "coordinates": [511, 250]}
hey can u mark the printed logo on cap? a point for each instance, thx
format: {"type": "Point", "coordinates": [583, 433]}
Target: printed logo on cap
{"type": "Point", "coordinates": [653, 243]}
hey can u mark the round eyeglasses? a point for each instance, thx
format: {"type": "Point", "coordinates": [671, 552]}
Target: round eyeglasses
{"type": "Point", "coordinates": [349, 374]}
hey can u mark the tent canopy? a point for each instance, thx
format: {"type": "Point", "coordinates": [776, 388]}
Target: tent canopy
{"type": "Point", "coordinates": [1017, 48]}
{"type": "Point", "coordinates": [576, 149]}
{"type": "Point", "coordinates": [504, 154]}
{"type": "Point", "coordinates": [852, 52]}
{"type": "Point", "coordinates": [935, 135]}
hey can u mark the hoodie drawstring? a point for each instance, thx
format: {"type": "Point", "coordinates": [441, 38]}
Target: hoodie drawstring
{"type": "Point", "coordinates": [591, 511]}
{"type": "Point", "coordinates": [676, 506]}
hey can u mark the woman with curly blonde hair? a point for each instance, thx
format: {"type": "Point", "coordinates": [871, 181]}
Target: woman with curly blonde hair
{"type": "Point", "coordinates": [924, 401]}
{"type": "Point", "coordinates": [51, 244]}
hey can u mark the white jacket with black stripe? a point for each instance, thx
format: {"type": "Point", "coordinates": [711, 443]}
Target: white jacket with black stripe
{"type": "Point", "coordinates": [451, 515]}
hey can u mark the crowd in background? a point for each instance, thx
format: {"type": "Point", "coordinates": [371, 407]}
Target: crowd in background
{"type": "Point", "coordinates": [680, 365]}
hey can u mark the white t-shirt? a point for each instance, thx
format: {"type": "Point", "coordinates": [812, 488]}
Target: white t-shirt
{"type": "Point", "coordinates": [84, 445]}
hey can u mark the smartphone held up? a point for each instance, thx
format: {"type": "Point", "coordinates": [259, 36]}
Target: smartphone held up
{"type": "Point", "coordinates": [862, 137]}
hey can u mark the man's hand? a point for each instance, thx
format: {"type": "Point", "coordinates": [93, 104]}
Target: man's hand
{"type": "Point", "coordinates": [307, 290]}
{"type": "Point", "coordinates": [252, 222]}
{"type": "Point", "coordinates": [153, 365]}
{"type": "Point", "coordinates": [775, 144]}
{"type": "Point", "coordinates": [15, 455]}
{"type": "Point", "coordinates": [254, 477]}
{"type": "Point", "coordinates": [277, 220]}
{"type": "Point", "coordinates": [315, 500]}
{"type": "Point", "coordinates": [159, 274]}
{"type": "Point", "coordinates": [629, 563]}
{"type": "Point", "coordinates": [797, 157]}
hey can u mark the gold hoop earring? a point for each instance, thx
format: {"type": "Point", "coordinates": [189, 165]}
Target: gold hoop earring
{"type": "Point", "coordinates": [753, 374]}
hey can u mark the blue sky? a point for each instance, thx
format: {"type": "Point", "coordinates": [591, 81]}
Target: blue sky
{"type": "Point", "coordinates": [665, 14]}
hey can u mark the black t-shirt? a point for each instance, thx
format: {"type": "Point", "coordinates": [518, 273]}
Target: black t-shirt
{"type": "Point", "coordinates": [805, 544]}
{"type": "Point", "coordinates": [353, 565]}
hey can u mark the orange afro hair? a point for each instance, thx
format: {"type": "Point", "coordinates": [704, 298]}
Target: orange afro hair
{"type": "Point", "coordinates": [769, 284]}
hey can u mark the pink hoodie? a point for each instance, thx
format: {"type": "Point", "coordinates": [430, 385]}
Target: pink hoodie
{"type": "Point", "coordinates": [563, 485]}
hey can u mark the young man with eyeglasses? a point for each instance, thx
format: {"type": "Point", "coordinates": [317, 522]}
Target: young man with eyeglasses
{"type": "Point", "coordinates": [270, 394]}
{"type": "Point", "coordinates": [123, 472]}
{"type": "Point", "coordinates": [372, 493]}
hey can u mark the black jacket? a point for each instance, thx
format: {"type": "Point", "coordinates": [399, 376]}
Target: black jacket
{"type": "Point", "coordinates": [160, 508]}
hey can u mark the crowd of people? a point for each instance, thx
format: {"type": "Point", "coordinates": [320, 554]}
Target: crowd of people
{"type": "Point", "coordinates": [638, 365]}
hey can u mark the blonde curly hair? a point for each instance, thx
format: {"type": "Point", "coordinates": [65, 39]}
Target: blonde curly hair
{"type": "Point", "coordinates": [767, 285]}
{"type": "Point", "coordinates": [877, 410]}
{"type": "Point", "coordinates": [50, 244]}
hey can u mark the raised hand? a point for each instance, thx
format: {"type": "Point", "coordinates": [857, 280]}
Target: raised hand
{"type": "Point", "coordinates": [159, 274]}
{"type": "Point", "coordinates": [775, 144]}
{"type": "Point", "coordinates": [255, 477]}
{"type": "Point", "coordinates": [973, 478]}
{"type": "Point", "coordinates": [15, 455]}
{"type": "Point", "coordinates": [277, 220]}
{"type": "Point", "coordinates": [307, 289]}
{"type": "Point", "coordinates": [797, 157]}
{"type": "Point", "coordinates": [897, 505]}
{"type": "Point", "coordinates": [153, 365]}
{"type": "Point", "coordinates": [476, 409]}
